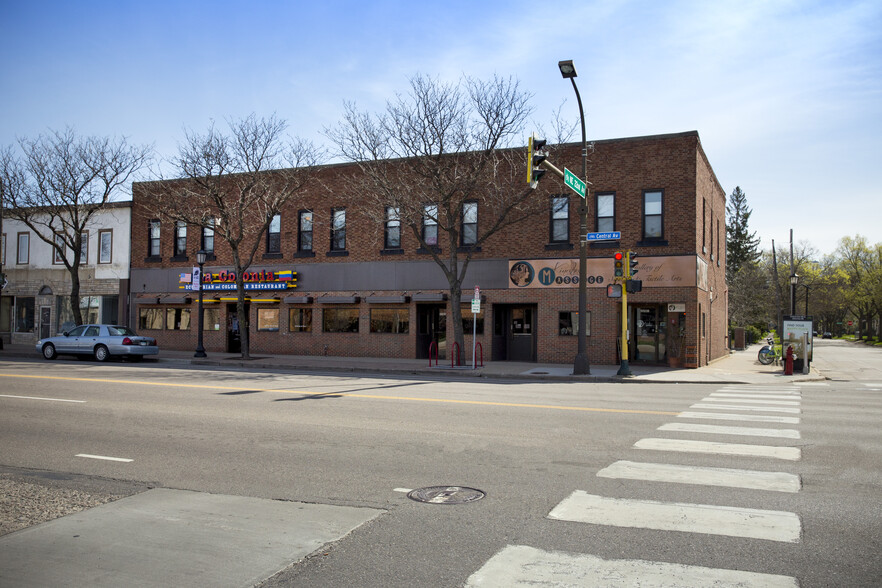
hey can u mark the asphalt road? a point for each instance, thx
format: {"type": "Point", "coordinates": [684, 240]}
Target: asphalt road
{"type": "Point", "coordinates": [362, 441]}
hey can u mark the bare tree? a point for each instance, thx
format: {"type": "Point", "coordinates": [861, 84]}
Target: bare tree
{"type": "Point", "coordinates": [60, 182]}
{"type": "Point", "coordinates": [439, 157]}
{"type": "Point", "coordinates": [234, 184]}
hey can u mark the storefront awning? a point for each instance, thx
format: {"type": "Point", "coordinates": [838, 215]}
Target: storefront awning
{"type": "Point", "coordinates": [429, 297]}
{"type": "Point", "coordinates": [297, 300]}
{"type": "Point", "coordinates": [337, 299]}
{"type": "Point", "coordinates": [387, 299]}
{"type": "Point", "coordinates": [176, 300]}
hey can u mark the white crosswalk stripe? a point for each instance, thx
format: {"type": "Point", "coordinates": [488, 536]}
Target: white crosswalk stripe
{"type": "Point", "coordinates": [755, 401]}
{"type": "Point", "coordinates": [704, 476]}
{"type": "Point", "coordinates": [722, 430]}
{"type": "Point", "coordinates": [764, 396]}
{"type": "Point", "coordinates": [787, 409]}
{"type": "Point", "coordinates": [689, 446]}
{"type": "Point", "coordinates": [755, 418]}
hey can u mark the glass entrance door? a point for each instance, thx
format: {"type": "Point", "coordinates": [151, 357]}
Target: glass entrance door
{"type": "Point", "coordinates": [648, 341]}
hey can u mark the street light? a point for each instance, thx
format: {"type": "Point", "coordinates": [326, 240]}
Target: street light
{"type": "Point", "coordinates": [794, 279]}
{"type": "Point", "coordinates": [580, 364]}
{"type": "Point", "coordinates": [200, 259]}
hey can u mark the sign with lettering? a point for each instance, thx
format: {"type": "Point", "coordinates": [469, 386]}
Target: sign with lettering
{"type": "Point", "coordinates": [226, 280]}
{"type": "Point", "coordinates": [655, 272]}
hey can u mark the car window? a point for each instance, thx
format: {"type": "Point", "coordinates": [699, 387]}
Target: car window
{"type": "Point", "coordinates": [77, 332]}
{"type": "Point", "coordinates": [92, 331]}
{"type": "Point", "coordinates": [121, 331]}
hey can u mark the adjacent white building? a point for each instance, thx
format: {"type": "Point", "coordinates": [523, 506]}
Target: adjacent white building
{"type": "Point", "coordinates": [35, 302]}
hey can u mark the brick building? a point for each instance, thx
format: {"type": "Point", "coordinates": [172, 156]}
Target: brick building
{"type": "Point", "coordinates": [358, 295]}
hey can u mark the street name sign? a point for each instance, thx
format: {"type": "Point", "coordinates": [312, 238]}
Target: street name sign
{"type": "Point", "coordinates": [610, 236]}
{"type": "Point", "coordinates": [574, 183]}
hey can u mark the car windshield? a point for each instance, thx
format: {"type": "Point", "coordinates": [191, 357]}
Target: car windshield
{"type": "Point", "coordinates": [120, 331]}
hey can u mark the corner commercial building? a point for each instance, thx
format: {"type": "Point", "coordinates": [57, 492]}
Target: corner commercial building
{"type": "Point", "coordinates": [329, 281]}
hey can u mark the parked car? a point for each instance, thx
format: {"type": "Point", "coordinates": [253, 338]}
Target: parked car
{"type": "Point", "coordinates": [99, 341]}
{"type": "Point", "coordinates": [828, 335]}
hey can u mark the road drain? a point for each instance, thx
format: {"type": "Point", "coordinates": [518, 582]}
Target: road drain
{"type": "Point", "coordinates": [446, 495]}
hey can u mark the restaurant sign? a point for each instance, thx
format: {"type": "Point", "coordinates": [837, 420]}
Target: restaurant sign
{"type": "Point", "coordinates": [226, 280]}
{"type": "Point", "coordinates": [655, 272]}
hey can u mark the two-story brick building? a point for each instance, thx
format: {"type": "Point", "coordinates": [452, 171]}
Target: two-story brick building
{"type": "Point", "coordinates": [359, 294]}
{"type": "Point", "coordinates": [35, 302]}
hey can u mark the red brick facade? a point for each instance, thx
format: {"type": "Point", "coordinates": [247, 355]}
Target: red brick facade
{"type": "Point", "coordinates": [519, 322]}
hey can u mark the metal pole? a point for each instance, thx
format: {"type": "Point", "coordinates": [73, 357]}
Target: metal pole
{"type": "Point", "coordinates": [581, 365]}
{"type": "Point", "coordinates": [200, 350]}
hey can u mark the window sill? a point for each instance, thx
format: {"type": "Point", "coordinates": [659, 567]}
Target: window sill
{"type": "Point", "coordinates": [210, 257]}
{"type": "Point", "coordinates": [304, 254]}
{"type": "Point", "coordinates": [653, 243]}
{"type": "Point", "coordinates": [424, 251]}
{"type": "Point", "coordinates": [153, 259]}
{"type": "Point", "coordinates": [179, 258]}
{"type": "Point", "coordinates": [338, 253]}
{"type": "Point", "coordinates": [559, 247]}
{"type": "Point", "coordinates": [467, 249]}
{"type": "Point", "coordinates": [272, 256]}
{"type": "Point", "coordinates": [605, 245]}
{"type": "Point", "coordinates": [391, 251]}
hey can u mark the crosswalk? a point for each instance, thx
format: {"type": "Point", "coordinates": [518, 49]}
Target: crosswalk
{"type": "Point", "coordinates": [764, 421]}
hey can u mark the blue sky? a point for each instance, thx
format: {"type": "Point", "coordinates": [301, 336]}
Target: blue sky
{"type": "Point", "coordinates": [786, 96]}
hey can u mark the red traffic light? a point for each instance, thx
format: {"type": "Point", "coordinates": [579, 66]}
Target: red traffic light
{"type": "Point", "coordinates": [618, 256]}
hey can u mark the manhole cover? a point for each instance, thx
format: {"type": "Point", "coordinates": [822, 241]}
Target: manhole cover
{"type": "Point", "coordinates": [446, 495]}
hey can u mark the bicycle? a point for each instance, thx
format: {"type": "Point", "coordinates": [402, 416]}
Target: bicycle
{"type": "Point", "coordinates": [769, 353]}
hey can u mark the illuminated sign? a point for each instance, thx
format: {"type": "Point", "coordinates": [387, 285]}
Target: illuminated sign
{"type": "Point", "coordinates": [256, 280]}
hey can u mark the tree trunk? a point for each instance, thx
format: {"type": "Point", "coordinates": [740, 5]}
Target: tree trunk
{"type": "Point", "coordinates": [456, 317]}
{"type": "Point", "coordinates": [75, 295]}
{"type": "Point", "coordinates": [244, 325]}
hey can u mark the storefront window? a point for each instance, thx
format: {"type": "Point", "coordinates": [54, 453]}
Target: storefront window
{"type": "Point", "coordinates": [211, 319]}
{"type": "Point", "coordinates": [24, 315]}
{"type": "Point", "coordinates": [467, 321]}
{"type": "Point", "coordinates": [390, 320]}
{"type": "Point", "coordinates": [568, 323]}
{"type": "Point", "coordinates": [177, 319]}
{"type": "Point", "coordinates": [267, 319]}
{"type": "Point", "coordinates": [340, 320]}
{"type": "Point", "coordinates": [150, 318]}
{"type": "Point", "coordinates": [300, 320]}
{"type": "Point", "coordinates": [5, 314]}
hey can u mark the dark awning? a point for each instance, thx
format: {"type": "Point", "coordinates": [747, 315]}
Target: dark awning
{"type": "Point", "coordinates": [297, 300]}
{"type": "Point", "coordinates": [429, 297]}
{"type": "Point", "coordinates": [387, 299]}
{"type": "Point", "coordinates": [337, 299]}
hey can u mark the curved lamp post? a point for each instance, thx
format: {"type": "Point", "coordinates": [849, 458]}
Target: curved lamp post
{"type": "Point", "coordinates": [200, 350]}
{"type": "Point", "coordinates": [580, 364]}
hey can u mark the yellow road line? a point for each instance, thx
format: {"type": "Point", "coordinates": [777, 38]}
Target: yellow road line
{"type": "Point", "coordinates": [351, 395]}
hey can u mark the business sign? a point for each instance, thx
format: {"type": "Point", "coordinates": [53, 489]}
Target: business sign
{"type": "Point", "coordinates": [655, 272]}
{"type": "Point", "coordinates": [226, 280]}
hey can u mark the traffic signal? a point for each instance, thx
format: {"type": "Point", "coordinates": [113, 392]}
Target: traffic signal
{"type": "Point", "coordinates": [535, 156]}
{"type": "Point", "coordinates": [632, 286]}
{"type": "Point", "coordinates": [619, 258]}
{"type": "Point", "coordinates": [632, 263]}
{"type": "Point", "coordinates": [614, 291]}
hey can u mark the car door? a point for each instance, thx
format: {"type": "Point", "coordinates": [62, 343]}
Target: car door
{"type": "Point", "coordinates": [68, 344]}
{"type": "Point", "coordinates": [86, 342]}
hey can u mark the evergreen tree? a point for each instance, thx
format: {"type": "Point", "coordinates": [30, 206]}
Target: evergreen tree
{"type": "Point", "coordinates": [741, 244]}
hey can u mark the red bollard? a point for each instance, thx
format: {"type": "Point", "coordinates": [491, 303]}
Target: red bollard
{"type": "Point", "coordinates": [788, 361]}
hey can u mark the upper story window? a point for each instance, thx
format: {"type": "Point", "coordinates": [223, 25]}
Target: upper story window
{"type": "Point", "coordinates": [57, 251]}
{"type": "Point", "coordinates": [304, 231]}
{"type": "Point", "coordinates": [84, 248]}
{"type": "Point", "coordinates": [153, 238]}
{"type": "Point", "coordinates": [430, 224]}
{"type": "Point", "coordinates": [469, 231]}
{"type": "Point", "coordinates": [653, 226]}
{"type": "Point", "coordinates": [560, 219]}
{"type": "Point", "coordinates": [180, 239]}
{"type": "Point", "coordinates": [23, 254]}
{"type": "Point", "coordinates": [338, 229]}
{"type": "Point", "coordinates": [105, 246]}
{"type": "Point", "coordinates": [3, 249]}
{"type": "Point", "coordinates": [606, 213]}
{"type": "Point", "coordinates": [208, 237]}
{"type": "Point", "coordinates": [274, 235]}
{"type": "Point", "coordinates": [392, 239]}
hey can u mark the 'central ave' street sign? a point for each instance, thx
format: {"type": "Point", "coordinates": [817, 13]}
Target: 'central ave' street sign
{"type": "Point", "coordinates": [574, 183]}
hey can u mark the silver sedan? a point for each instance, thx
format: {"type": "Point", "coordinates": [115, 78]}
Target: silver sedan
{"type": "Point", "coordinates": [99, 341]}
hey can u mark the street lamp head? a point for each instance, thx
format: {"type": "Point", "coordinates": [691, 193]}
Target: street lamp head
{"type": "Point", "coordinates": [567, 69]}
{"type": "Point", "coordinates": [794, 279]}
{"type": "Point", "coordinates": [201, 256]}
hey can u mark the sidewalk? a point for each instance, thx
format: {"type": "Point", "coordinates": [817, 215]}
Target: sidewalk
{"type": "Point", "coordinates": [739, 367]}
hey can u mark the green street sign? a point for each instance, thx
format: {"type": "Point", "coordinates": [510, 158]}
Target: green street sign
{"type": "Point", "coordinates": [574, 183]}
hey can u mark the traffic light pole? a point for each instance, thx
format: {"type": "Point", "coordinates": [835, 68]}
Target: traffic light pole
{"type": "Point", "coordinates": [624, 370]}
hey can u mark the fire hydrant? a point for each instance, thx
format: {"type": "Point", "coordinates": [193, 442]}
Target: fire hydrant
{"type": "Point", "coordinates": [788, 361]}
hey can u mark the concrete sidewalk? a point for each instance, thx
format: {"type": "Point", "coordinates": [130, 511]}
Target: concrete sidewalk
{"type": "Point", "coordinates": [739, 367]}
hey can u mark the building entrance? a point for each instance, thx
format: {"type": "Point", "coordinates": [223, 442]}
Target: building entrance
{"type": "Point", "coordinates": [431, 328]}
{"type": "Point", "coordinates": [234, 328]}
{"type": "Point", "coordinates": [648, 343]}
{"type": "Point", "coordinates": [514, 332]}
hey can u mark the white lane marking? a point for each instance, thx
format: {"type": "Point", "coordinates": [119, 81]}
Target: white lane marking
{"type": "Point", "coordinates": [521, 565]}
{"type": "Point", "coordinates": [404, 490]}
{"type": "Point", "coordinates": [764, 396]}
{"type": "Point", "coordinates": [812, 384]}
{"type": "Point", "coordinates": [756, 418]}
{"type": "Point", "coordinates": [704, 476]}
{"type": "Point", "coordinates": [753, 401]}
{"type": "Point", "coordinates": [104, 457]}
{"type": "Point", "coordinates": [38, 398]}
{"type": "Point", "coordinates": [685, 445]}
{"type": "Point", "coordinates": [742, 407]}
{"type": "Point", "coordinates": [674, 516]}
{"type": "Point", "coordinates": [721, 430]}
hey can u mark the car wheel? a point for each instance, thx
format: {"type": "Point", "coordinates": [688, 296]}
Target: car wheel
{"type": "Point", "coordinates": [49, 351]}
{"type": "Point", "coordinates": [101, 353]}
